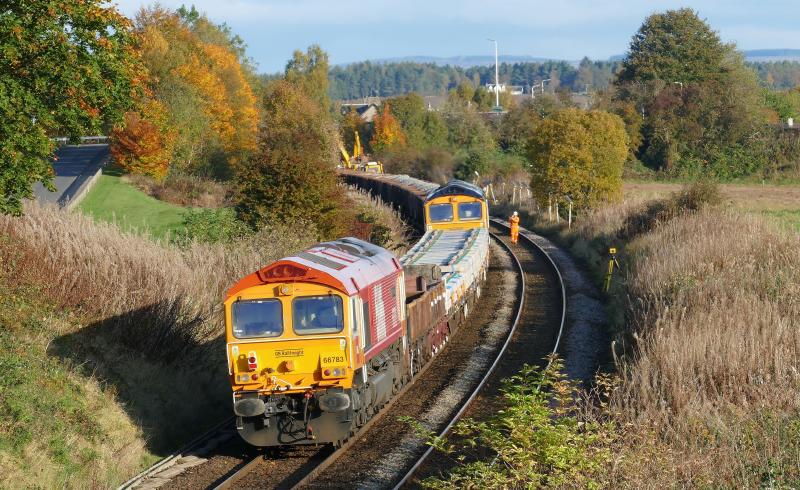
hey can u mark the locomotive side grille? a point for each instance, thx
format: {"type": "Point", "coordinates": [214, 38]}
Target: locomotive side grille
{"type": "Point", "coordinates": [380, 313]}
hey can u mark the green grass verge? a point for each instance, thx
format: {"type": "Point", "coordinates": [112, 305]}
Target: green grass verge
{"type": "Point", "coordinates": [58, 428]}
{"type": "Point", "coordinates": [785, 218]}
{"type": "Point", "coordinates": [113, 200]}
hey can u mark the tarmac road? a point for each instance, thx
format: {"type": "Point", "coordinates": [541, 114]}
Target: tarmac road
{"type": "Point", "coordinates": [74, 166]}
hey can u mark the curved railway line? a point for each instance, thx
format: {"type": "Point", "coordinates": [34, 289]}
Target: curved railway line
{"type": "Point", "coordinates": [533, 329]}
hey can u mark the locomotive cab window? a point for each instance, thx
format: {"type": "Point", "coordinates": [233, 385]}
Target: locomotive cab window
{"type": "Point", "coordinates": [317, 314]}
{"type": "Point", "coordinates": [468, 211]}
{"type": "Point", "coordinates": [441, 213]}
{"type": "Point", "coordinates": [257, 318]}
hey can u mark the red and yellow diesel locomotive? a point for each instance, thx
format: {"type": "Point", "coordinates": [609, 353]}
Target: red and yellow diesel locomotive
{"type": "Point", "coordinates": [319, 341]}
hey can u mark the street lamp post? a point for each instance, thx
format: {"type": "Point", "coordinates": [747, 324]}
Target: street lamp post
{"type": "Point", "coordinates": [496, 75]}
{"type": "Point", "coordinates": [545, 80]}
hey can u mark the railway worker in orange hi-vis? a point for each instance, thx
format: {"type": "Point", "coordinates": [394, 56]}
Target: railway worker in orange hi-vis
{"type": "Point", "coordinates": [514, 221]}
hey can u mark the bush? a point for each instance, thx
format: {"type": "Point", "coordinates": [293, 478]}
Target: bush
{"type": "Point", "coordinates": [211, 226]}
{"type": "Point", "coordinates": [690, 199]}
{"type": "Point", "coordinates": [534, 441]}
{"type": "Point", "coordinates": [184, 190]}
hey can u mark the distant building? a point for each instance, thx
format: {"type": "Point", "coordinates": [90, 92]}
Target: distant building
{"type": "Point", "coordinates": [491, 87]}
{"type": "Point", "coordinates": [367, 111]}
{"type": "Point", "coordinates": [434, 102]}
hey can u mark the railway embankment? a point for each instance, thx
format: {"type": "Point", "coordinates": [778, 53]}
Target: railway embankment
{"type": "Point", "coordinates": [703, 313]}
{"type": "Point", "coordinates": [110, 352]}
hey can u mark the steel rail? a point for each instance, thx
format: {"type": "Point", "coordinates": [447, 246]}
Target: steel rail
{"type": "Point", "coordinates": [169, 460]}
{"type": "Point", "coordinates": [333, 457]}
{"type": "Point", "coordinates": [245, 470]}
{"type": "Point", "coordinates": [500, 222]}
{"type": "Point", "coordinates": [412, 471]}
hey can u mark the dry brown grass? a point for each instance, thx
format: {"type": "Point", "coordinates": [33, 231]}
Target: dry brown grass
{"type": "Point", "coordinates": [378, 222]}
{"type": "Point", "coordinates": [145, 328]}
{"type": "Point", "coordinates": [707, 310]}
{"type": "Point", "coordinates": [184, 190]}
{"type": "Point", "coordinates": [96, 269]}
{"type": "Point", "coordinates": [147, 323]}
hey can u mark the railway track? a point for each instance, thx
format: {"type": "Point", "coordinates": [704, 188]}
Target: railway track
{"type": "Point", "coordinates": [309, 467]}
{"type": "Point", "coordinates": [529, 345]}
{"type": "Point", "coordinates": [192, 454]}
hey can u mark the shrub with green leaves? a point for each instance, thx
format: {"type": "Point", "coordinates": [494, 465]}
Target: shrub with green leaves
{"type": "Point", "coordinates": [535, 440]}
{"type": "Point", "coordinates": [211, 226]}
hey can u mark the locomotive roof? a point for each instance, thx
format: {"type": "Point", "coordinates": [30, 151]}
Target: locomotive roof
{"type": "Point", "coordinates": [457, 188]}
{"type": "Point", "coordinates": [347, 264]}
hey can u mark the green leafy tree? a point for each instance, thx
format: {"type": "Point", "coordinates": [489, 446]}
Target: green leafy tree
{"type": "Point", "coordinates": [518, 126]}
{"type": "Point", "coordinates": [409, 110]}
{"type": "Point", "coordinates": [423, 128]}
{"type": "Point", "coordinates": [700, 104]}
{"type": "Point", "coordinates": [609, 146]}
{"type": "Point", "coordinates": [309, 71]}
{"type": "Point", "coordinates": [292, 177]}
{"type": "Point", "coordinates": [464, 93]}
{"type": "Point", "coordinates": [483, 99]}
{"type": "Point", "coordinates": [477, 161]}
{"type": "Point", "coordinates": [66, 67]}
{"type": "Point", "coordinates": [784, 103]}
{"type": "Point", "coordinates": [466, 129]}
{"type": "Point", "coordinates": [434, 129]}
{"type": "Point", "coordinates": [674, 46]}
{"type": "Point", "coordinates": [578, 154]}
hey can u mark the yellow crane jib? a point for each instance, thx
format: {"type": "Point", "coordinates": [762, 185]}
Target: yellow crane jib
{"type": "Point", "coordinates": [357, 150]}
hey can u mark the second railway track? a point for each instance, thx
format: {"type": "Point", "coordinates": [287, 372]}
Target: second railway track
{"type": "Point", "coordinates": [540, 329]}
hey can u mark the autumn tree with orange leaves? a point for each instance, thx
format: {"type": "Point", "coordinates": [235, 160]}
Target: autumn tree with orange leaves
{"type": "Point", "coordinates": [144, 143]}
{"type": "Point", "coordinates": [387, 131]}
{"type": "Point", "coordinates": [200, 115]}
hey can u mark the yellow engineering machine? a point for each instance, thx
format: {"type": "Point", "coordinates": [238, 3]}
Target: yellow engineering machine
{"type": "Point", "coordinates": [359, 160]}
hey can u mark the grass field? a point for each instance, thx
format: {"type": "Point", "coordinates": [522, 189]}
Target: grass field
{"type": "Point", "coordinates": [778, 202]}
{"type": "Point", "coordinates": [115, 201]}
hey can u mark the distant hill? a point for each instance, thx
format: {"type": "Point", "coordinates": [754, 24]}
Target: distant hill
{"type": "Point", "coordinates": [431, 75]}
{"type": "Point", "coordinates": [772, 55]}
{"type": "Point", "coordinates": [467, 61]}
{"type": "Point", "coordinates": [753, 55]}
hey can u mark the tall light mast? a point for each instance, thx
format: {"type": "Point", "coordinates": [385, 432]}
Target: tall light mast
{"type": "Point", "coordinates": [496, 76]}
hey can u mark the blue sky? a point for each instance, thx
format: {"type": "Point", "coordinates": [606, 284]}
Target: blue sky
{"type": "Point", "coordinates": [355, 30]}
